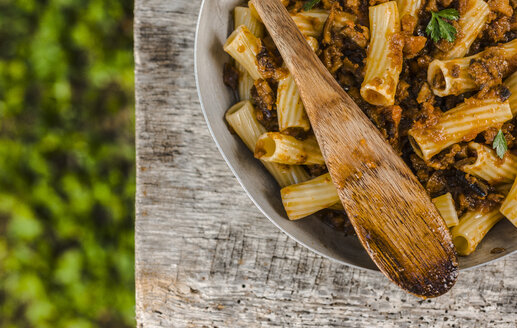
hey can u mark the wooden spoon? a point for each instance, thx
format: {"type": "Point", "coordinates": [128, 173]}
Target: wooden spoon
{"type": "Point", "coordinates": [391, 213]}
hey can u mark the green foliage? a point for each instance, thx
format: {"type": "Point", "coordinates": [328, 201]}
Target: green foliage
{"type": "Point", "coordinates": [500, 144]}
{"type": "Point", "coordinates": [67, 177]}
{"type": "Point", "coordinates": [438, 29]}
{"type": "Point", "coordinates": [310, 4]}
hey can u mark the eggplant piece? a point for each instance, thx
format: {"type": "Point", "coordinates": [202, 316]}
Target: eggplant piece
{"type": "Point", "coordinates": [469, 184]}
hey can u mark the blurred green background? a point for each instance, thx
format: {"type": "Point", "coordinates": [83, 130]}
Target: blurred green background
{"type": "Point", "coordinates": [67, 175]}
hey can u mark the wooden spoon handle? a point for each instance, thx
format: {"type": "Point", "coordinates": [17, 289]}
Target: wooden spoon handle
{"type": "Point", "coordinates": [393, 216]}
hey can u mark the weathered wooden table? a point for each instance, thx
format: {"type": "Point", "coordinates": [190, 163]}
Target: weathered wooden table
{"type": "Point", "coordinates": [205, 256]}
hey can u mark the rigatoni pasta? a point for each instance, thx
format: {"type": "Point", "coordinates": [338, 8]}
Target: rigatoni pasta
{"type": "Point", "coordinates": [445, 205]}
{"type": "Point", "coordinates": [471, 229]}
{"type": "Point", "coordinates": [306, 198]}
{"type": "Point", "coordinates": [243, 16]}
{"type": "Point", "coordinates": [311, 22]}
{"type": "Point", "coordinates": [286, 175]}
{"type": "Point", "coordinates": [285, 149]}
{"type": "Point", "coordinates": [509, 206]}
{"type": "Point", "coordinates": [243, 46]}
{"type": "Point", "coordinates": [384, 59]}
{"type": "Point", "coordinates": [489, 167]}
{"type": "Point", "coordinates": [341, 18]}
{"type": "Point", "coordinates": [290, 110]}
{"type": "Point", "coordinates": [291, 113]}
{"type": "Point", "coordinates": [511, 84]}
{"type": "Point", "coordinates": [241, 117]}
{"type": "Point", "coordinates": [245, 84]}
{"type": "Point", "coordinates": [451, 77]}
{"type": "Point", "coordinates": [466, 120]}
{"type": "Point", "coordinates": [409, 7]}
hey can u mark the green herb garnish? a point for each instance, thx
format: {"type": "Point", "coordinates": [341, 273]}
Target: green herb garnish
{"type": "Point", "coordinates": [500, 144]}
{"type": "Point", "coordinates": [439, 29]}
{"type": "Point", "coordinates": [309, 5]}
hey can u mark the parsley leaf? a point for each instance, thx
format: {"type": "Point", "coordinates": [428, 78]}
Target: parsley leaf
{"type": "Point", "coordinates": [309, 5]}
{"type": "Point", "coordinates": [499, 144]}
{"type": "Point", "coordinates": [451, 14]}
{"type": "Point", "coordinates": [447, 31]}
{"type": "Point", "coordinates": [439, 29]}
{"type": "Point", "coordinates": [432, 29]}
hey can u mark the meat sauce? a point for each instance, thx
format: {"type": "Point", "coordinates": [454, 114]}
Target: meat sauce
{"type": "Point", "coordinates": [343, 49]}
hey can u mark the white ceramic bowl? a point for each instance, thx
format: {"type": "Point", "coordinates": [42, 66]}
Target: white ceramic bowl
{"type": "Point", "coordinates": [214, 25]}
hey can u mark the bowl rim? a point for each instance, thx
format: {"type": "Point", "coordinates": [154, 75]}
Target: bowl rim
{"type": "Point", "coordinates": [207, 121]}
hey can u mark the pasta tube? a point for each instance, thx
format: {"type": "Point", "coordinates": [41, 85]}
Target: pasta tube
{"type": "Point", "coordinates": [471, 24]}
{"type": "Point", "coordinates": [509, 205]}
{"type": "Point", "coordinates": [286, 175]}
{"type": "Point", "coordinates": [311, 22]}
{"type": "Point", "coordinates": [445, 205]}
{"type": "Point", "coordinates": [245, 84]}
{"type": "Point", "coordinates": [461, 123]}
{"type": "Point", "coordinates": [384, 58]}
{"type": "Point", "coordinates": [289, 106]}
{"type": "Point", "coordinates": [472, 228]}
{"type": "Point", "coordinates": [313, 43]}
{"type": "Point", "coordinates": [243, 46]}
{"type": "Point", "coordinates": [490, 167]}
{"type": "Point", "coordinates": [451, 77]}
{"type": "Point", "coordinates": [511, 84]}
{"type": "Point", "coordinates": [341, 18]}
{"type": "Point", "coordinates": [241, 117]}
{"type": "Point", "coordinates": [409, 7]}
{"type": "Point", "coordinates": [284, 149]}
{"type": "Point", "coordinates": [253, 11]}
{"type": "Point", "coordinates": [309, 197]}
{"type": "Point", "coordinates": [243, 16]}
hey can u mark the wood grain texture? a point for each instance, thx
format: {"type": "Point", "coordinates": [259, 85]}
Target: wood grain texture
{"type": "Point", "coordinates": [391, 212]}
{"type": "Point", "coordinates": [205, 256]}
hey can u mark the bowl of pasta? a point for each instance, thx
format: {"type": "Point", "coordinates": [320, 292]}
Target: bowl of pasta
{"type": "Point", "coordinates": [437, 78]}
